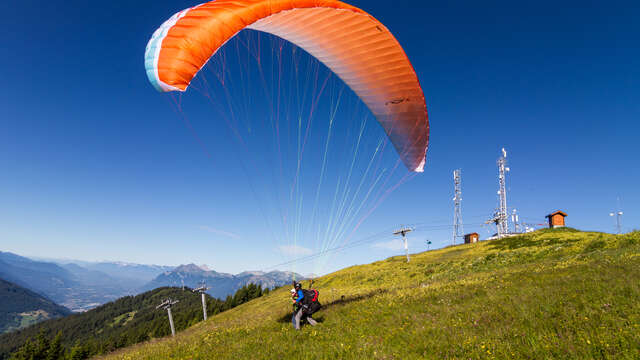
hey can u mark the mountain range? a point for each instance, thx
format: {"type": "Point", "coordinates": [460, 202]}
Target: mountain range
{"type": "Point", "coordinates": [80, 285]}
{"type": "Point", "coordinates": [134, 275]}
{"type": "Point", "coordinates": [76, 285]}
{"type": "Point", "coordinates": [220, 284]}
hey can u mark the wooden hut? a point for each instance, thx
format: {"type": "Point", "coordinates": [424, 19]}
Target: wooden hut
{"type": "Point", "coordinates": [471, 238]}
{"type": "Point", "coordinates": [556, 219]}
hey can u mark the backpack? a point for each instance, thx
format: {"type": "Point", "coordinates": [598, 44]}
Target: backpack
{"type": "Point", "coordinates": [311, 300]}
{"type": "Point", "coordinates": [310, 296]}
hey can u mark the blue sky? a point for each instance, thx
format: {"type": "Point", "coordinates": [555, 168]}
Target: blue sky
{"type": "Point", "coordinates": [96, 165]}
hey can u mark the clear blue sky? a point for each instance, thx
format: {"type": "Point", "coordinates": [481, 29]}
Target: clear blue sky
{"type": "Point", "coordinates": [96, 165]}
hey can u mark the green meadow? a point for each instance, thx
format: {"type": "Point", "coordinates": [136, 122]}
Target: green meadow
{"type": "Point", "coordinates": [551, 294]}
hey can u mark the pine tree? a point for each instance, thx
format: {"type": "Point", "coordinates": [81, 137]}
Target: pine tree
{"type": "Point", "coordinates": [26, 352]}
{"type": "Point", "coordinates": [79, 352]}
{"type": "Point", "coordinates": [42, 346]}
{"type": "Point", "coordinates": [56, 351]}
{"type": "Point", "coordinates": [33, 350]}
{"type": "Point", "coordinates": [229, 302]}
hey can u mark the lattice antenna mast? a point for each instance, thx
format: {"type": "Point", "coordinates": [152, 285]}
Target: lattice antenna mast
{"type": "Point", "coordinates": [404, 231]}
{"type": "Point", "coordinates": [167, 306]}
{"type": "Point", "coordinates": [458, 229]}
{"type": "Point", "coordinates": [502, 218]}
{"type": "Point", "coordinates": [202, 290]}
{"type": "Point", "coordinates": [618, 214]}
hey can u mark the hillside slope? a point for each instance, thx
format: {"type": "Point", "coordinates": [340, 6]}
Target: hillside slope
{"type": "Point", "coordinates": [20, 307]}
{"type": "Point", "coordinates": [126, 321]}
{"type": "Point", "coordinates": [550, 294]}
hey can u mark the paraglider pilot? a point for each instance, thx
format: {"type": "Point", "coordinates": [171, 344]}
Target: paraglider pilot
{"type": "Point", "coordinates": [302, 308]}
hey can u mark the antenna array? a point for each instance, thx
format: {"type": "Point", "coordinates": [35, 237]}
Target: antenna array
{"type": "Point", "coordinates": [502, 218]}
{"type": "Point", "coordinates": [458, 229]}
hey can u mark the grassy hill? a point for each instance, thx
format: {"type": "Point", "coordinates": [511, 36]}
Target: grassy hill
{"type": "Point", "coordinates": [20, 307]}
{"type": "Point", "coordinates": [558, 293]}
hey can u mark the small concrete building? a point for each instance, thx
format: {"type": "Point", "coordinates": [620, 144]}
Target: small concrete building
{"type": "Point", "coordinates": [556, 219]}
{"type": "Point", "coordinates": [471, 238]}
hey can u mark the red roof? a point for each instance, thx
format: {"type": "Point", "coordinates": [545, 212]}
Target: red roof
{"type": "Point", "coordinates": [556, 213]}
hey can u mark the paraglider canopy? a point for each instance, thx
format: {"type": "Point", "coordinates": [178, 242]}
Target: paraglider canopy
{"type": "Point", "coordinates": [353, 44]}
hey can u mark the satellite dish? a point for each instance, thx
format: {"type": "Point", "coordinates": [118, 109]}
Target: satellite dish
{"type": "Point", "coordinates": [504, 153]}
{"type": "Point", "coordinates": [611, 214]}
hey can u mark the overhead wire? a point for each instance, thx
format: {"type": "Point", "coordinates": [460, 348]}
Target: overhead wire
{"type": "Point", "coordinates": [382, 235]}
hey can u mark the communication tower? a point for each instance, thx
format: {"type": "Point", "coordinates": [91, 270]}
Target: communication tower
{"type": "Point", "coordinates": [502, 216]}
{"type": "Point", "coordinates": [458, 229]}
{"type": "Point", "coordinates": [618, 214]}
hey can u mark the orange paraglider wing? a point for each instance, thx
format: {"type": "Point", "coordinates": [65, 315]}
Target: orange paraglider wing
{"type": "Point", "coordinates": [350, 42]}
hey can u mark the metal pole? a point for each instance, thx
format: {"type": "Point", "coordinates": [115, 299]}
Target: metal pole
{"type": "Point", "coordinates": [204, 306]}
{"type": "Point", "coordinates": [618, 215]}
{"type": "Point", "coordinates": [406, 247]}
{"type": "Point", "coordinates": [618, 222]}
{"type": "Point", "coordinates": [173, 330]}
{"type": "Point", "coordinates": [404, 232]}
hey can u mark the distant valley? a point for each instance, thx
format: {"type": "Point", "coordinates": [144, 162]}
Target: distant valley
{"type": "Point", "coordinates": [77, 286]}
{"type": "Point", "coordinates": [65, 286]}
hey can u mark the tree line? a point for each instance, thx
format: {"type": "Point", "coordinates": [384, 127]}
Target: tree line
{"type": "Point", "coordinates": [124, 322]}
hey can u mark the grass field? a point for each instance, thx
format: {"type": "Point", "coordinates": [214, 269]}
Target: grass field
{"type": "Point", "coordinates": [552, 294]}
